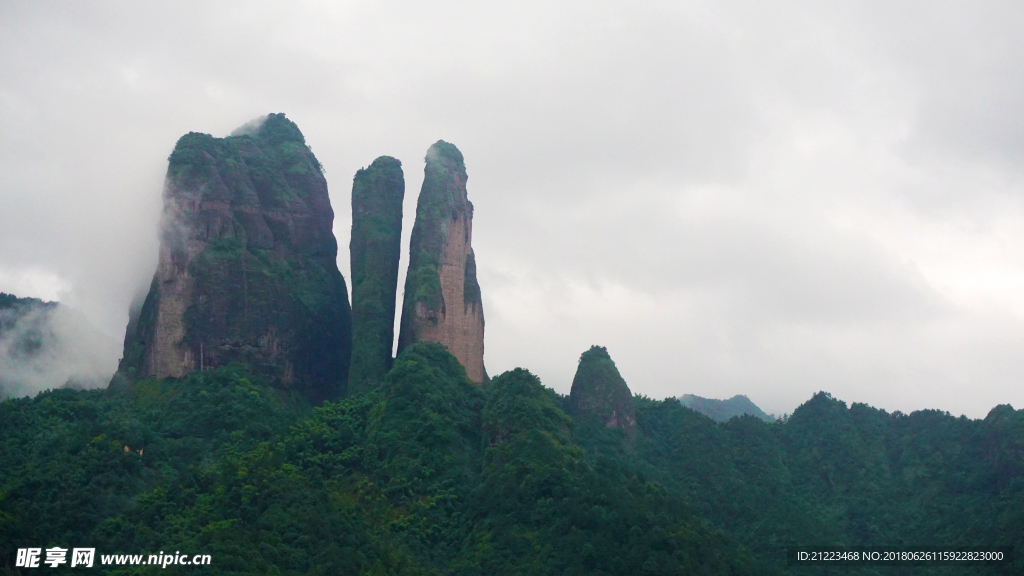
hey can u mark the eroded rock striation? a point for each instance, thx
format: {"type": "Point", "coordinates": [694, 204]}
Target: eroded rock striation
{"type": "Point", "coordinates": [377, 194]}
{"type": "Point", "coordinates": [599, 389]}
{"type": "Point", "coordinates": [247, 268]}
{"type": "Point", "coordinates": [442, 297]}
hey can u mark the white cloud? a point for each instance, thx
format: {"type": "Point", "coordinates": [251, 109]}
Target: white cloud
{"type": "Point", "coordinates": [741, 197]}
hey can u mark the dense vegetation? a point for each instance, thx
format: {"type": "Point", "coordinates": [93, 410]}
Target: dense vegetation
{"type": "Point", "coordinates": [12, 302]}
{"type": "Point", "coordinates": [273, 155]}
{"type": "Point", "coordinates": [837, 475]}
{"type": "Point", "coordinates": [375, 248]}
{"type": "Point", "coordinates": [431, 474]}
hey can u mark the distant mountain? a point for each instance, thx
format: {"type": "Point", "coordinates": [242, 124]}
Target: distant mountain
{"type": "Point", "coordinates": [47, 345]}
{"type": "Point", "coordinates": [722, 410]}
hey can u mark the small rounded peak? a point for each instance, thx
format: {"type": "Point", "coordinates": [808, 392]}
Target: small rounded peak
{"type": "Point", "coordinates": [519, 404]}
{"type": "Point", "coordinates": [383, 167]}
{"type": "Point", "coordinates": [1000, 412]}
{"type": "Point", "coordinates": [442, 150]}
{"type": "Point", "coordinates": [595, 352]}
{"type": "Point", "coordinates": [599, 389]}
{"type": "Point", "coordinates": [386, 162]}
{"type": "Point", "coordinates": [192, 149]}
{"type": "Point", "coordinates": [276, 129]}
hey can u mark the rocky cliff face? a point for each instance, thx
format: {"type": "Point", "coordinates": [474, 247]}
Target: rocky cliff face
{"type": "Point", "coordinates": [599, 389]}
{"type": "Point", "coordinates": [247, 269]}
{"type": "Point", "coordinates": [442, 298]}
{"type": "Point", "coordinates": [377, 194]}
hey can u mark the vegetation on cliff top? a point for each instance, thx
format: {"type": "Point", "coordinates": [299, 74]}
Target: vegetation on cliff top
{"type": "Point", "coordinates": [276, 143]}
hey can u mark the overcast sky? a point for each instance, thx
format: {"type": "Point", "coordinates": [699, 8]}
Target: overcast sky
{"type": "Point", "coordinates": [754, 198]}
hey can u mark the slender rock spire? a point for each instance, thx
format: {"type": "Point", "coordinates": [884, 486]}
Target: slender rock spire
{"type": "Point", "coordinates": [442, 297]}
{"type": "Point", "coordinates": [377, 194]}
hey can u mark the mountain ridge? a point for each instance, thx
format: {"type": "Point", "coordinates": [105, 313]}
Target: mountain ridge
{"type": "Point", "coordinates": [723, 410]}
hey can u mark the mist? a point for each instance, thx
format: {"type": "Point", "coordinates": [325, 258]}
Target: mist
{"type": "Point", "coordinates": [768, 199]}
{"type": "Point", "coordinates": [50, 346]}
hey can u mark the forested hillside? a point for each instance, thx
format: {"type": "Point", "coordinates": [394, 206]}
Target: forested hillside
{"type": "Point", "coordinates": [832, 474]}
{"type": "Point", "coordinates": [431, 474]}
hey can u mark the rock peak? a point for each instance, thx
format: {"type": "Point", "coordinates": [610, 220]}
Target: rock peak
{"type": "Point", "coordinates": [442, 300]}
{"type": "Point", "coordinates": [598, 389]}
{"type": "Point", "coordinates": [377, 194]}
{"type": "Point", "coordinates": [247, 268]}
{"type": "Point", "coordinates": [442, 151]}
